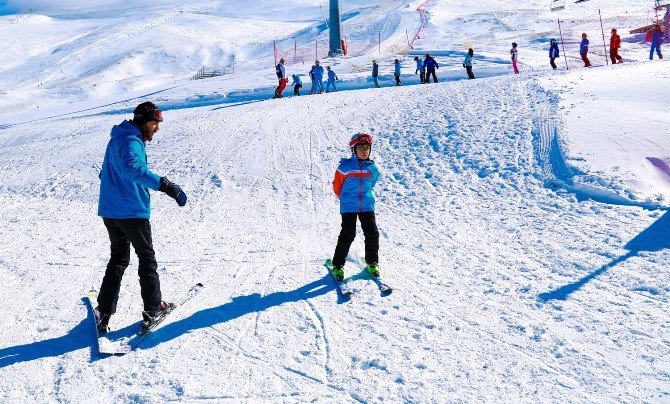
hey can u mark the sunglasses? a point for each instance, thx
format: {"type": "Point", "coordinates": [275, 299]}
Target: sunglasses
{"type": "Point", "coordinates": [363, 147]}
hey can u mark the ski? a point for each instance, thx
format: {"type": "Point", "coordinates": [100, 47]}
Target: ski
{"type": "Point", "coordinates": [126, 346]}
{"type": "Point", "coordinates": [341, 285]}
{"type": "Point", "coordinates": [383, 287]}
{"type": "Point", "coordinates": [105, 345]}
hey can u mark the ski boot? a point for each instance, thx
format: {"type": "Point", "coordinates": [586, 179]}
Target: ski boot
{"type": "Point", "coordinates": [373, 269]}
{"type": "Point", "coordinates": [103, 321]}
{"type": "Point", "coordinates": [152, 317]}
{"type": "Point", "coordinates": [338, 273]}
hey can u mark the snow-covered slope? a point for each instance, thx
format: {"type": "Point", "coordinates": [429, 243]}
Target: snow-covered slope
{"type": "Point", "coordinates": [528, 252]}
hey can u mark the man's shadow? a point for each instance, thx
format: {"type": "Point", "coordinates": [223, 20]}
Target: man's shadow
{"type": "Point", "coordinates": [654, 238]}
{"type": "Point", "coordinates": [83, 334]}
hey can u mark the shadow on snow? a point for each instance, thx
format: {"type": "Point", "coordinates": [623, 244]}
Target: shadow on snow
{"type": "Point", "coordinates": [83, 334]}
{"type": "Point", "coordinates": [653, 238]}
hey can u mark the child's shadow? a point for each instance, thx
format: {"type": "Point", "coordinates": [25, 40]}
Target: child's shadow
{"type": "Point", "coordinates": [236, 308]}
{"type": "Point", "coordinates": [654, 238]}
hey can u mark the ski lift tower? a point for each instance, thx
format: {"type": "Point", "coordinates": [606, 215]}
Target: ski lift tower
{"type": "Point", "coordinates": [335, 26]}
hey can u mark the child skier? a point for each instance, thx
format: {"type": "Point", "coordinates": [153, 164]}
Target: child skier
{"type": "Point", "coordinates": [297, 84]}
{"type": "Point", "coordinates": [615, 44]}
{"type": "Point", "coordinates": [375, 73]}
{"type": "Point", "coordinates": [281, 76]}
{"type": "Point", "coordinates": [331, 79]}
{"type": "Point", "coordinates": [467, 63]}
{"type": "Point", "coordinates": [312, 77]}
{"type": "Point", "coordinates": [553, 53]}
{"type": "Point", "coordinates": [584, 50]}
{"type": "Point", "coordinates": [420, 69]}
{"type": "Point", "coordinates": [515, 54]}
{"type": "Point", "coordinates": [318, 76]}
{"type": "Point", "coordinates": [396, 72]}
{"type": "Point", "coordinates": [354, 180]}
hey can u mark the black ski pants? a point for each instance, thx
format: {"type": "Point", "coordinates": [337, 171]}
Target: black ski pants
{"type": "Point", "coordinates": [430, 72]}
{"type": "Point", "coordinates": [123, 233]}
{"type": "Point", "coordinates": [471, 75]}
{"type": "Point", "coordinates": [552, 63]}
{"type": "Point", "coordinates": [348, 234]}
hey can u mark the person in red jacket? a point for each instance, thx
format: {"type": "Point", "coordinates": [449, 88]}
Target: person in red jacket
{"type": "Point", "coordinates": [615, 44]}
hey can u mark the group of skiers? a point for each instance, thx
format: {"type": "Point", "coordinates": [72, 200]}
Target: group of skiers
{"type": "Point", "coordinates": [125, 205]}
{"type": "Point", "coordinates": [315, 74]}
{"type": "Point", "coordinates": [656, 37]}
{"type": "Point", "coordinates": [426, 67]}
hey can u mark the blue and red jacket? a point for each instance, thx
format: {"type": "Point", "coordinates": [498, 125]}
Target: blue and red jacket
{"type": "Point", "coordinates": [353, 183]}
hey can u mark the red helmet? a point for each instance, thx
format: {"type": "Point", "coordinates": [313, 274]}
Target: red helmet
{"type": "Point", "coordinates": [360, 138]}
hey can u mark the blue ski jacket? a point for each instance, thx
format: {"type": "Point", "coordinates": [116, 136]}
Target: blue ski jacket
{"type": "Point", "coordinates": [296, 80]}
{"type": "Point", "coordinates": [584, 46]}
{"type": "Point", "coordinates": [553, 51]}
{"type": "Point", "coordinates": [397, 68]}
{"type": "Point", "coordinates": [419, 65]}
{"type": "Point", "coordinates": [353, 183]}
{"type": "Point", "coordinates": [331, 76]}
{"type": "Point", "coordinates": [125, 178]}
{"type": "Point", "coordinates": [657, 38]}
{"type": "Point", "coordinates": [318, 72]}
{"type": "Point", "coordinates": [430, 63]}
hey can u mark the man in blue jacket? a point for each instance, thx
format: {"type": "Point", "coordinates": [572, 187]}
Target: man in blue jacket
{"type": "Point", "coordinates": [124, 206]}
{"type": "Point", "coordinates": [354, 180]}
{"type": "Point", "coordinates": [656, 40]}
{"type": "Point", "coordinates": [430, 65]}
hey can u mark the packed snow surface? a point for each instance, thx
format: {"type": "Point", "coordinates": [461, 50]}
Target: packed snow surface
{"type": "Point", "coordinates": [523, 218]}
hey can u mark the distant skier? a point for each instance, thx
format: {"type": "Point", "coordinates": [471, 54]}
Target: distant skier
{"type": "Point", "coordinates": [124, 206]}
{"type": "Point", "coordinates": [354, 181]}
{"type": "Point", "coordinates": [332, 77]}
{"type": "Point", "coordinates": [467, 63]}
{"type": "Point", "coordinates": [584, 50]}
{"type": "Point", "coordinates": [420, 69]}
{"type": "Point", "coordinates": [297, 84]}
{"type": "Point", "coordinates": [656, 41]}
{"type": "Point", "coordinates": [281, 76]}
{"type": "Point", "coordinates": [396, 72]}
{"type": "Point", "coordinates": [430, 65]}
{"type": "Point", "coordinates": [375, 73]}
{"type": "Point", "coordinates": [312, 77]}
{"type": "Point", "coordinates": [515, 55]}
{"type": "Point", "coordinates": [318, 76]}
{"type": "Point", "coordinates": [553, 53]}
{"type": "Point", "coordinates": [615, 44]}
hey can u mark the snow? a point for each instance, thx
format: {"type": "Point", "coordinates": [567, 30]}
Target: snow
{"type": "Point", "coordinates": [523, 219]}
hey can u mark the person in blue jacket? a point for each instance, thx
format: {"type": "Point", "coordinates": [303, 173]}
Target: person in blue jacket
{"type": "Point", "coordinates": [467, 63]}
{"type": "Point", "coordinates": [431, 64]}
{"type": "Point", "coordinates": [312, 77]}
{"type": "Point", "coordinates": [297, 84]}
{"type": "Point", "coordinates": [318, 76]}
{"type": "Point", "coordinates": [656, 40]}
{"type": "Point", "coordinates": [331, 79]}
{"type": "Point", "coordinates": [420, 69]}
{"type": "Point", "coordinates": [584, 50]}
{"type": "Point", "coordinates": [553, 53]}
{"type": "Point", "coordinates": [396, 72]}
{"type": "Point", "coordinates": [375, 73]}
{"type": "Point", "coordinates": [124, 205]}
{"type": "Point", "coordinates": [354, 181]}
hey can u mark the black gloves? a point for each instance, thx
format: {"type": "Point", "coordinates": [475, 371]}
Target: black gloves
{"type": "Point", "coordinates": [173, 190]}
